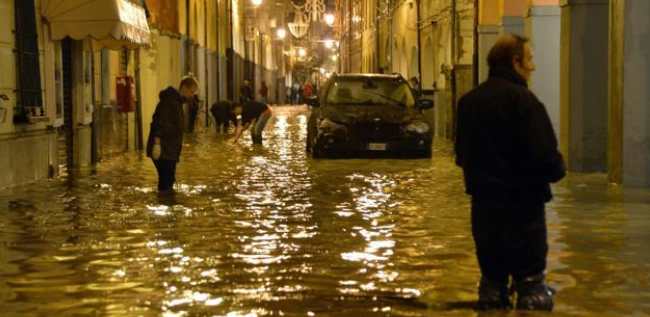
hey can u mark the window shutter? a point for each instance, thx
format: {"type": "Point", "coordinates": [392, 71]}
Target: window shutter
{"type": "Point", "coordinates": [28, 66]}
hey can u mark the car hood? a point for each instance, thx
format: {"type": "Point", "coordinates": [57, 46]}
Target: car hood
{"type": "Point", "coordinates": [348, 114]}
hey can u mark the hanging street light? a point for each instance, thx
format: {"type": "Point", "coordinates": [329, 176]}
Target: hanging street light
{"type": "Point", "coordinates": [256, 3]}
{"type": "Point", "coordinates": [329, 19]}
{"type": "Point", "coordinates": [281, 33]}
{"type": "Point", "coordinates": [302, 52]}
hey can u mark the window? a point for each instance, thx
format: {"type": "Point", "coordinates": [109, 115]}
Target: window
{"type": "Point", "coordinates": [28, 69]}
{"type": "Point", "coordinates": [370, 92]}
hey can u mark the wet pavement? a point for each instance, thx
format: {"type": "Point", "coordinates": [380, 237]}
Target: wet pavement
{"type": "Point", "coordinates": [270, 232]}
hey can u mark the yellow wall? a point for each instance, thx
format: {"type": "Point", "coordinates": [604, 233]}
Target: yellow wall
{"type": "Point", "coordinates": [7, 61]}
{"type": "Point", "coordinates": [491, 12]}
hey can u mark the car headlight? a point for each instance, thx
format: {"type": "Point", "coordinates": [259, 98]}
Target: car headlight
{"type": "Point", "coordinates": [329, 125]}
{"type": "Point", "coordinates": [418, 127]}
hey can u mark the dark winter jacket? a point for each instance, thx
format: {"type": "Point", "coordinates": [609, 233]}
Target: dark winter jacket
{"type": "Point", "coordinates": [505, 142]}
{"type": "Point", "coordinates": [167, 124]}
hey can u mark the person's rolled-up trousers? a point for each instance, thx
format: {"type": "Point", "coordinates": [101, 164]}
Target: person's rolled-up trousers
{"type": "Point", "coordinates": [258, 128]}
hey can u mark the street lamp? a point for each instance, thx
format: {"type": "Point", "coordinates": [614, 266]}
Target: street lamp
{"type": "Point", "coordinates": [281, 33]}
{"type": "Point", "coordinates": [302, 52]}
{"type": "Point", "coordinates": [256, 3]}
{"type": "Point", "coordinates": [329, 19]}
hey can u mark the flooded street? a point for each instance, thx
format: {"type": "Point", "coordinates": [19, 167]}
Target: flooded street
{"type": "Point", "coordinates": [271, 232]}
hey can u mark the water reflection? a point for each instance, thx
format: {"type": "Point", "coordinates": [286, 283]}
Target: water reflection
{"type": "Point", "coordinates": [269, 232]}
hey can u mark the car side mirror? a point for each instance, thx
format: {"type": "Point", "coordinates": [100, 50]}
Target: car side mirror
{"type": "Point", "coordinates": [313, 101]}
{"type": "Point", "coordinates": [424, 104]}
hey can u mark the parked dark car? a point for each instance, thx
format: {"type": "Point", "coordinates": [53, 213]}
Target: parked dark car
{"type": "Point", "coordinates": [359, 114]}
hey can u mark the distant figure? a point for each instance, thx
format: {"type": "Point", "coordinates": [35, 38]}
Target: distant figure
{"type": "Point", "coordinates": [289, 96]}
{"type": "Point", "coordinates": [223, 114]}
{"type": "Point", "coordinates": [507, 149]}
{"type": "Point", "coordinates": [295, 91]}
{"type": "Point", "coordinates": [254, 115]}
{"type": "Point", "coordinates": [245, 92]}
{"type": "Point", "coordinates": [307, 90]}
{"type": "Point", "coordinates": [264, 93]}
{"type": "Point", "coordinates": [415, 84]}
{"type": "Point", "coordinates": [165, 140]}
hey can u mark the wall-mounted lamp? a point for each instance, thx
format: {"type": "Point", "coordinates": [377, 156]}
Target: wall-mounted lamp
{"type": "Point", "coordinates": [329, 19]}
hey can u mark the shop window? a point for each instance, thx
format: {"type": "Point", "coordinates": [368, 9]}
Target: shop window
{"type": "Point", "coordinates": [28, 71]}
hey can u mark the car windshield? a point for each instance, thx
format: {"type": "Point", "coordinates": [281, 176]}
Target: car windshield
{"type": "Point", "coordinates": [370, 91]}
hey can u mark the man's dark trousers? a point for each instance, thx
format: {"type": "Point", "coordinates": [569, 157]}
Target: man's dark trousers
{"type": "Point", "coordinates": [166, 174]}
{"type": "Point", "coordinates": [510, 238]}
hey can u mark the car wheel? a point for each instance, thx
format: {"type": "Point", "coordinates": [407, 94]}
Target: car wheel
{"type": "Point", "coordinates": [428, 153]}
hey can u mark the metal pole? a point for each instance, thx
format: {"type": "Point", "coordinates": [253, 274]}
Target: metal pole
{"type": "Point", "coordinates": [377, 43]}
{"type": "Point", "coordinates": [349, 36]}
{"type": "Point", "coordinates": [419, 40]}
{"type": "Point", "coordinates": [205, 62]}
{"type": "Point", "coordinates": [218, 48]}
{"type": "Point", "coordinates": [454, 53]}
{"type": "Point", "coordinates": [475, 56]}
{"type": "Point", "coordinates": [138, 103]}
{"type": "Point", "coordinates": [187, 35]}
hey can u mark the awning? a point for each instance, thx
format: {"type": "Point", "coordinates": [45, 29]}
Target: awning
{"type": "Point", "coordinates": [111, 22]}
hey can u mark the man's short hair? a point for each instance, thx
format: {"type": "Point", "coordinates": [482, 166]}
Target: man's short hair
{"type": "Point", "coordinates": [189, 82]}
{"type": "Point", "coordinates": [505, 49]}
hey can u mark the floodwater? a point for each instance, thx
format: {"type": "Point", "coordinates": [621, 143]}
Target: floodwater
{"type": "Point", "coordinates": [270, 232]}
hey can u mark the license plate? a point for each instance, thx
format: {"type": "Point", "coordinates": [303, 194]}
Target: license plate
{"type": "Point", "coordinates": [377, 146]}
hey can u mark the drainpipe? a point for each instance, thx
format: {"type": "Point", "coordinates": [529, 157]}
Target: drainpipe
{"type": "Point", "coordinates": [231, 63]}
{"type": "Point", "coordinates": [377, 43]}
{"type": "Point", "coordinates": [187, 37]}
{"type": "Point", "coordinates": [349, 36]}
{"type": "Point", "coordinates": [475, 56]}
{"type": "Point", "coordinates": [205, 62]}
{"type": "Point", "coordinates": [390, 33]}
{"type": "Point", "coordinates": [419, 39]}
{"type": "Point", "coordinates": [138, 103]}
{"type": "Point", "coordinates": [218, 48]}
{"type": "Point", "coordinates": [454, 53]}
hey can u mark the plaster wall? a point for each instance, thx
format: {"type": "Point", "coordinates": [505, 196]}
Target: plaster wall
{"type": "Point", "coordinates": [544, 26]}
{"type": "Point", "coordinates": [636, 95]}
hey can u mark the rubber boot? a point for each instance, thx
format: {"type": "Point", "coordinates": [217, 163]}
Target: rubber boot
{"type": "Point", "coordinates": [534, 294]}
{"type": "Point", "coordinates": [493, 295]}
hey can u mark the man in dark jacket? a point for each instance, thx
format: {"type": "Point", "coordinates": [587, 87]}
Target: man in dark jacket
{"type": "Point", "coordinates": [254, 115]}
{"type": "Point", "coordinates": [223, 115]}
{"type": "Point", "coordinates": [165, 140]}
{"type": "Point", "coordinates": [508, 151]}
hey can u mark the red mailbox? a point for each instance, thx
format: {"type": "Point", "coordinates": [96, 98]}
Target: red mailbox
{"type": "Point", "coordinates": [125, 91]}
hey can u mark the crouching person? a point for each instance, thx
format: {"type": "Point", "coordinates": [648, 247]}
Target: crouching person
{"type": "Point", "coordinates": [165, 140]}
{"type": "Point", "coordinates": [254, 115]}
{"type": "Point", "coordinates": [508, 152]}
{"type": "Point", "coordinates": [223, 116]}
